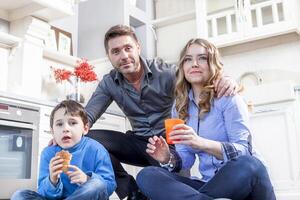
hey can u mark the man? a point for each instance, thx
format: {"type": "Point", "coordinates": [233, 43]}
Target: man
{"type": "Point", "coordinates": [143, 89]}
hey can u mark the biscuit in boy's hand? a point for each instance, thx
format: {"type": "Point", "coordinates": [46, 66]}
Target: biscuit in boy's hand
{"type": "Point", "coordinates": [67, 159]}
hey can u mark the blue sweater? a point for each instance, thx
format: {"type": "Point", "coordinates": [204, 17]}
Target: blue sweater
{"type": "Point", "coordinates": [88, 155]}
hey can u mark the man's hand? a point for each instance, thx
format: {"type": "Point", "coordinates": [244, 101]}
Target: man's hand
{"type": "Point", "coordinates": [55, 169]}
{"type": "Point", "coordinates": [225, 86]}
{"type": "Point", "coordinates": [76, 175]}
{"type": "Point", "coordinates": [158, 149]}
{"type": "Point", "coordinates": [52, 142]}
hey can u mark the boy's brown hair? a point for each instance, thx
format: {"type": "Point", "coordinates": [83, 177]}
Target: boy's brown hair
{"type": "Point", "coordinates": [116, 31]}
{"type": "Point", "coordinates": [71, 107]}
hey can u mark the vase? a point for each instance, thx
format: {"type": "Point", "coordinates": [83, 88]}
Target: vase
{"type": "Point", "coordinates": [73, 92]}
{"type": "Point", "coordinates": [132, 2]}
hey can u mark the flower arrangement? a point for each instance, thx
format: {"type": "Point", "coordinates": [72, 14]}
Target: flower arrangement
{"type": "Point", "coordinates": [83, 71]}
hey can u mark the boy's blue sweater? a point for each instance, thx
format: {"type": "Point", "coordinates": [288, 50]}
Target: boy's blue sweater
{"type": "Point", "coordinates": [88, 155]}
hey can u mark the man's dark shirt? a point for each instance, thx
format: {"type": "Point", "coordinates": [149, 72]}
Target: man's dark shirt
{"type": "Point", "coordinates": [146, 109]}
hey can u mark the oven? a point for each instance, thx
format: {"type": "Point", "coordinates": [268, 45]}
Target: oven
{"type": "Point", "coordinates": [18, 147]}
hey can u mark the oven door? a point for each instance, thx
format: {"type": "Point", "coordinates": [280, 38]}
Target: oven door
{"type": "Point", "coordinates": [18, 157]}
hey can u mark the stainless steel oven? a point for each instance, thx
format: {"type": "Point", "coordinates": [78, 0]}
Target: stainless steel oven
{"type": "Point", "coordinates": [18, 147]}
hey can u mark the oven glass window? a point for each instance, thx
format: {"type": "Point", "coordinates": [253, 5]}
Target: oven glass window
{"type": "Point", "coordinates": [15, 152]}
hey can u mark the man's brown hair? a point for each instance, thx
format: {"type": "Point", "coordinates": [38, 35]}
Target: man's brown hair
{"type": "Point", "coordinates": [117, 31]}
{"type": "Point", "coordinates": [71, 107]}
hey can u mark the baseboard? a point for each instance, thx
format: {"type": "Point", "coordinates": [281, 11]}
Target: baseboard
{"type": "Point", "coordinates": [288, 195]}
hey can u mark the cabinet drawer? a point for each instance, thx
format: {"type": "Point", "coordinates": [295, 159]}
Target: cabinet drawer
{"type": "Point", "coordinates": [43, 141]}
{"type": "Point", "coordinates": [45, 113]}
{"type": "Point", "coordinates": [110, 122]}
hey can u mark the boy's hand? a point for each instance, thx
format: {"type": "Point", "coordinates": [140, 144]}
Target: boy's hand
{"type": "Point", "coordinates": [76, 175]}
{"type": "Point", "coordinates": [55, 169]}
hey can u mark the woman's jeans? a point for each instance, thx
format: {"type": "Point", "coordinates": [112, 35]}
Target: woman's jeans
{"type": "Point", "coordinates": [243, 178]}
{"type": "Point", "coordinates": [93, 189]}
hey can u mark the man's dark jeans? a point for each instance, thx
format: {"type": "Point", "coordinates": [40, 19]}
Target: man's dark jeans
{"type": "Point", "coordinates": [124, 148]}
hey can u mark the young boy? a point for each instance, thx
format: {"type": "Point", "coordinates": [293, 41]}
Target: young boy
{"type": "Point", "coordinates": [90, 174]}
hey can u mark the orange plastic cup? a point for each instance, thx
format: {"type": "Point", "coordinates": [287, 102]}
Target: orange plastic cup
{"type": "Point", "coordinates": [169, 123]}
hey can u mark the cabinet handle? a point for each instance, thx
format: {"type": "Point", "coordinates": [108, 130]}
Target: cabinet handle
{"type": "Point", "coordinates": [266, 110]}
{"type": "Point", "coordinates": [47, 132]}
{"type": "Point", "coordinates": [17, 124]}
{"type": "Point", "coordinates": [4, 112]}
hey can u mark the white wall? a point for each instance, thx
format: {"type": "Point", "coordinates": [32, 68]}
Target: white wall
{"type": "Point", "coordinates": [274, 59]}
{"type": "Point", "coordinates": [69, 24]}
{"type": "Point", "coordinates": [95, 18]}
{"type": "Point", "coordinates": [3, 68]}
{"type": "Point", "coordinates": [4, 25]}
{"type": "Point", "coordinates": [166, 8]}
{"type": "Point", "coordinates": [171, 39]}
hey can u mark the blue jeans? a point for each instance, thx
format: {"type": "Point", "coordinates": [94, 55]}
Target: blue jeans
{"type": "Point", "coordinates": [93, 189]}
{"type": "Point", "coordinates": [243, 178]}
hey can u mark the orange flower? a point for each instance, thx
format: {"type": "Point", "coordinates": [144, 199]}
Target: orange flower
{"type": "Point", "coordinates": [61, 74]}
{"type": "Point", "coordinates": [83, 70]}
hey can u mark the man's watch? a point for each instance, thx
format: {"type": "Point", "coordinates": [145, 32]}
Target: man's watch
{"type": "Point", "coordinates": [169, 165]}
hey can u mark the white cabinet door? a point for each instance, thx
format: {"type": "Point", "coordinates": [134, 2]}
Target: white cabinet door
{"type": "Point", "coordinates": [44, 129]}
{"type": "Point", "coordinates": [219, 20]}
{"type": "Point", "coordinates": [110, 122]}
{"type": "Point", "coordinates": [230, 22]}
{"type": "Point", "coordinates": [275, 134]}
{"type": "Point", "coordinates": [267, 17]}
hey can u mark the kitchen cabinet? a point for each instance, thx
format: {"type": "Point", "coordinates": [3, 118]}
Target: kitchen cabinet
{"type": "Point", "coordinates": [174, 24]}
{"type": "Point", "coordinates": [8, 46]}
{"type": "Point", "coordinates": [236, 21]}
{"type": "Point", "coordinates": [45, 134]}
{"type": "Point", "coordinates": [279, 145]}
{"type": "Point", "coordinates": [138, 15]}
{"type": "Point", "coordinates": [114, 12]}
{"type": "Point", "coordinates": [110, 122]}
{"type": "Point", "coordinates": [276, 135]}
{"type": "Point", "coordinates": [224, 23]}
{"type": "Point", "coordinates": [43, 9]}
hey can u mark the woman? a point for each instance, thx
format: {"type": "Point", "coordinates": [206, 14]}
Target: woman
{"type": "Point", "coordinates": [215, 130]}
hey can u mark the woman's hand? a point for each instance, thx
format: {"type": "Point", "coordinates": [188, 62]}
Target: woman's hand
{"type": "Point", "coordinates": [158, 149]}
{"type": "Point", "coordinates": [183, 134]}
{"type": "Point", "coordinates": [76, 175]}
{"type": "Point", "coordinates": [55, 169]}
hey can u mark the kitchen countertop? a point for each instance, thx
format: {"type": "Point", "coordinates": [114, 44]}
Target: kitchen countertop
{"type": "Point", "coordinates": [112, 109]}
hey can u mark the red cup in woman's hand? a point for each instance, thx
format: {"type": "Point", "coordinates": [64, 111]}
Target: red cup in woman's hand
{"type": "Point", "coordinates": [169, 124]}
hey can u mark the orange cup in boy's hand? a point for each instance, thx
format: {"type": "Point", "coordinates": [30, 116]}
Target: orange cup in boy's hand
{"type": "Point", "coordinates": [169, 123]}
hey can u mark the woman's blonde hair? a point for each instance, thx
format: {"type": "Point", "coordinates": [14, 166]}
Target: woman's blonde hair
{"type": "Point", "coordinates": [183, 86]}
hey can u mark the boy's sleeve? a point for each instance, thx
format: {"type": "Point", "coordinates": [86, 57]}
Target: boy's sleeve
{"type": "Point", "coordinates": [104, 170]}
{"type": "Point", "coordinates": [45, 187]}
